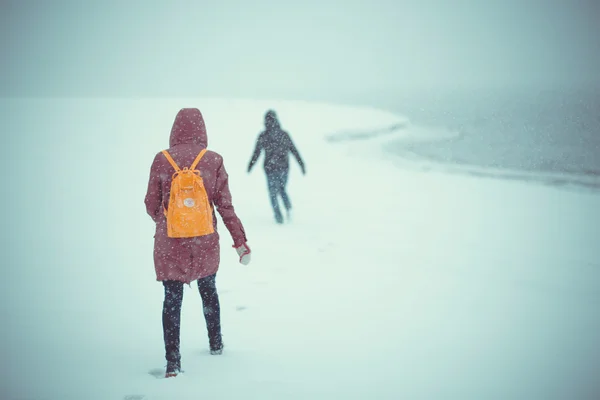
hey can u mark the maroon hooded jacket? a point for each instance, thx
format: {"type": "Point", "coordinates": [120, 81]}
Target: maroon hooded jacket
{"type": "Point", "coordinates": [188, 259]}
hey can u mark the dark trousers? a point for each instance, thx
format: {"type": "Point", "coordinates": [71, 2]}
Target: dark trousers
{"type": "Point", "coordinates": [171, 317]}
{"type": "Point", "coordinates": [276, 182]}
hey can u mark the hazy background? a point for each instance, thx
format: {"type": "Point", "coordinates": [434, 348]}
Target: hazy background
{"type": "Point", "coordinates": [338, 50]}
{"type": "Point", "coordinates": [519, 80]}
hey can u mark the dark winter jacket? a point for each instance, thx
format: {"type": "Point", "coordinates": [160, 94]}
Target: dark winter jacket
{"type": "Point", "coordinates": [188, 259]}
{"type": "Point", "coordinates": [277, 145]}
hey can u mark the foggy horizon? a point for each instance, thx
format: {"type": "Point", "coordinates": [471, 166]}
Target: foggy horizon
{"type": "Point", "coordinates": [302, 50]}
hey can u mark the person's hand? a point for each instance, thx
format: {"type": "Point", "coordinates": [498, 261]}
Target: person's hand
{"type": "Point", "coordinates": [244, 253]}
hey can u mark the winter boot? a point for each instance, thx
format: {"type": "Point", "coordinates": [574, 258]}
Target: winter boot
{"type": "Point", "coordinates": [278, 217]}
{"type": "Point", "coordinates": [216, 345]}
{"type": "Point", "coordinates": [173, 369]}
{"type": "Point", "coordinates": [216, 351]}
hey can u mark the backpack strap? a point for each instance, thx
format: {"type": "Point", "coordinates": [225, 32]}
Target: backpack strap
{"type": "Point", "coordinates": [171, 161]}
{"type": "Point", "coordinates": [197, 160]}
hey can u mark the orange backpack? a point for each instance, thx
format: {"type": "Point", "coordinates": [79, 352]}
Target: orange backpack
{"type": "Point", "coordinates": [189, 213]}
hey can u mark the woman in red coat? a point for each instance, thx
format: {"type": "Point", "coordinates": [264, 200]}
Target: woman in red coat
{"type": "Point", "coordinates": [178, 261]}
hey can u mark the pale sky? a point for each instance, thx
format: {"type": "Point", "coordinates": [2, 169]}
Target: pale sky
{"type": "Point", "coordinates": [260, 48]}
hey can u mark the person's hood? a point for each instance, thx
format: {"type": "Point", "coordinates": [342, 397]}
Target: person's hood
{"type": "Point", "coordinates": [271, 121]}
{"type": "Point", "coordinates": [188, 128]}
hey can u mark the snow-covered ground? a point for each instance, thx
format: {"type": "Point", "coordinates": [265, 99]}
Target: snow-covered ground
{"type": "Point", "coordinates": [390, 283]}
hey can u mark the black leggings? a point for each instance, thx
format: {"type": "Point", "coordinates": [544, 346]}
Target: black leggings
{"type": "Point", "coordinates": [171, 317]}
{"type": "Point", "coordinates": [276, 182]}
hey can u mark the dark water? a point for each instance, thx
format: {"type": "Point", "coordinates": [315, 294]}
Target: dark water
{"type": "Point", "coordinates": [526, 129]}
